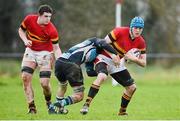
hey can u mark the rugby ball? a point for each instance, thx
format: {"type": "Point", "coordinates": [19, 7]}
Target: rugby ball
{"type": "Point", "coordinates": [135, 52]}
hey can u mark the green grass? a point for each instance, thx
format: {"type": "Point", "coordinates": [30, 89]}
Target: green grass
{"type": "Point", "coordinates": [157, 96]}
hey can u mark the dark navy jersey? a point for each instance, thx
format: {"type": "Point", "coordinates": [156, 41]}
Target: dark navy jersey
{"type": "Point", "coordinates": [86, 51]}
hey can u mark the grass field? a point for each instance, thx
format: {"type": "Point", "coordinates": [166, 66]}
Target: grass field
{"type": "Point", "coordinates": [157, 96]}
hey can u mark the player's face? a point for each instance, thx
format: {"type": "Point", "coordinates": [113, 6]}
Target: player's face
{"type": "Point", "coordinates": [136, 31]}
{"type": "Point", "coordinates": [45, 18]}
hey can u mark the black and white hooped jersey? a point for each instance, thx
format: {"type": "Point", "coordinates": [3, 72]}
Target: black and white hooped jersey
{"type": "Point", "coordinates": [86, 51]}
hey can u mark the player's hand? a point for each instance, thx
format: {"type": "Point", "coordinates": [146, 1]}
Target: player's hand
{"type": "Point", "coordinates": [130, 57]}
{"type": "Point", "coordinates": [116, 60]}
{"type": "Point", "coordinates": [28, 43]}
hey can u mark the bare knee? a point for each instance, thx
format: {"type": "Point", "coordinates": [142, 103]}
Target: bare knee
{"type": "Point", "coordinates": [103, 76]}
{"type": "Point", "coordinates": [78, 93]}
{"type": "Point", "coordinates": [100, 79]}
{"type": "Point", "coordinates": [78, 97]}
{"type": "Point", "coordinates": [26, 77]}
{"type": "Point", "coordinates": [45, 84]}
{"type": "Point", "coordinates": [131, 89]}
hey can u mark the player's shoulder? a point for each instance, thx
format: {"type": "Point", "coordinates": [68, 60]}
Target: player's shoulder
{"type": "Point", "coordinates": [141, 38]}
{"type": "Point", "coordinates": [31, 16]}
{"type": "Point", "coordinates": [51, 25]}
{"type": "Point", "coordinates": [121, 29]}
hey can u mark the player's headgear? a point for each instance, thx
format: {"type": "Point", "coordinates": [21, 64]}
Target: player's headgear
{"type": "Point", "coordinates": [137, 22]}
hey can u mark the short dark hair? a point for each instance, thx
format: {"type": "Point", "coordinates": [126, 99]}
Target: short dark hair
{"type": "Point", "coordinates": [45, 8]}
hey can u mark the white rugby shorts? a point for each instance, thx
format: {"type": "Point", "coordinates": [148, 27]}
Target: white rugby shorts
{"type": "Point", "coordinates": [110, 64]}
{"type": "Point", "coordinates": [41, 58]}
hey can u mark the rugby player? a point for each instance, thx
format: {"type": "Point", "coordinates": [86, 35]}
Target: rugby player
{"type": "Point", "coordinates": [40, 37]}
{"type": "Point", "coordinates": [122, 39]}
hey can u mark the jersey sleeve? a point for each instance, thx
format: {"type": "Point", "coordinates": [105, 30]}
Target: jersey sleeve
{"type": "Point", "coordinates": [25, 22]}
{"type": "Point", "coordinates": [54, 35]}
{"type": "Point", "coordinates": [114, 34]}
{"type": "Point", "coordinates": [142, 46]}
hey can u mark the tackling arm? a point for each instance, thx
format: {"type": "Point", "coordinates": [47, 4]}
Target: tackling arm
{"type": "Point", "coordinates": [57, 50]}
{"type": "Point", "coordinates": [103, 45]}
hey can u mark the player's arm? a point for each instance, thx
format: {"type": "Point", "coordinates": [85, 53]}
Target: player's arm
{"type": "Point", "coordinates": [107, 39]}
{"type": "Point", "coordinates": [102, 44]}
{"type": "Point", "coordinates": [141, 61]}
{"type": "Point", "coordinates": [23, 29]}
{"type": "Point", "coordinates": [110, 50]}
{"type": "Point", "coordinates": [57, 50]}
{"type": "Point", "coordinates": [22, 35]}
{"type": "Point", "coordinates": [54, 38]}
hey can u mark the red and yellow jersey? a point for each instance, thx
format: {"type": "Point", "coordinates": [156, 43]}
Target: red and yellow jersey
{"type": "Point", "coordinates": [42, 37]}
{"type": "Point", "coordinates": [122, 42]}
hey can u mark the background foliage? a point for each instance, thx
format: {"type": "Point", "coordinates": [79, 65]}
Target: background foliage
{"type": "Point", "coordinates": [79, 19]}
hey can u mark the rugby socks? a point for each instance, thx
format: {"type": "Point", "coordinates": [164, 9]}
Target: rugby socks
{"type": "Point", "coordinates": [48, 100]}
{"type": "Point", "coordinates": [92, 93]}
{"type": "Point", "coordinates": [124, 103]}
{"type": "Point", "coordinates": [67, 101]}
{"type": "Point", "coordinates": [59, 98]}
{"type": "Point", "coordinates": [32, 107]}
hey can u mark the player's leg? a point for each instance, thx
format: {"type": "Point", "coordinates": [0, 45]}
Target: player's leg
{"type": "Point", "coordinates": [71, 72]}
{"type": "Point", "coordinates": [45, 66]}
{"type": "Point", "coordinates": [77, 96]}
{"type": "Point", "coordinates": [101, 69]}
{"type": "Point", "coordinates": [124, 78]}
{"type": "Point", "coordinates": [74, 76]}
{"type": "Point", "coordinates": [27, 69]}
{"type": "Point", "coordinates": [45, 84]}
{"type": "Point", "coordinates": [60, 68]}
{"type": "Point", "coordinates": [61, 90]}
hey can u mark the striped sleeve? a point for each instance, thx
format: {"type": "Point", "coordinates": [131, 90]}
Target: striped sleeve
{"type": "Point", "coordinates": [25, 23]}
{"type": "Point", "coordinates": [54, 35]}
{"type": "Point", "coordinates": [143, 46]}
{"type": "Point", "coordinates": [112, 36]}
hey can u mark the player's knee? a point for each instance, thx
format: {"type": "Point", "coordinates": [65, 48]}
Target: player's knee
{"type": "Point", "coordinates": [79, 96]}
{"type": "Point", "coordinates": [103, 76]}
{"type": "Point", "coordinates": [79, 93]}
{"type": "Point", "coordinates": [26, 77]}
{"type": "Point", "coordinates": [26, 73]}
{"type": "Point", "coordinates": [131, 89]}
{"type": "Point", "coordinates": [45, 84]}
